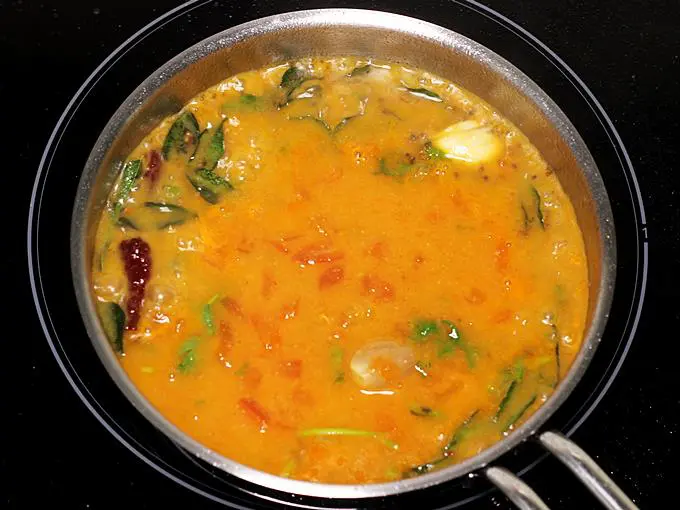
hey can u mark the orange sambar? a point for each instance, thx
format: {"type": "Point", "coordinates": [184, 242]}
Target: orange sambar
{"type": "Point", "coordinates": [341, 270]}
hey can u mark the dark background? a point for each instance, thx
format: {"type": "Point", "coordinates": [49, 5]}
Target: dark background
{"type": "Point", "coordinates": [53, 451]}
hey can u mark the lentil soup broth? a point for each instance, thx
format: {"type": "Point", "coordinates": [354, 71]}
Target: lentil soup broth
{"type": "Point", "coordinates": [341, 270]}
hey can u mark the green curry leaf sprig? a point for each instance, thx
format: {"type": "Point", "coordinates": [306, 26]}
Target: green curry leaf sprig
{"type": "Point", "coordinates": [447, 337]}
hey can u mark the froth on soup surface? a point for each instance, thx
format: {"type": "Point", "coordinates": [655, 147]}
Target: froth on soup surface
{"type": "Point", "coordinates": [341, 270]}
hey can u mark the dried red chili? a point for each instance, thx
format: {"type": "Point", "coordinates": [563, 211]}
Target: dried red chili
{"type": "Point", "coordinates": [153, 167]}
{"type": "Point", "coordinates": [136, 255]}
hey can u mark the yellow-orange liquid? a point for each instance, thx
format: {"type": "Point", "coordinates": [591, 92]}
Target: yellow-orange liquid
{"type": "Point", "coordinates": [316, 253]}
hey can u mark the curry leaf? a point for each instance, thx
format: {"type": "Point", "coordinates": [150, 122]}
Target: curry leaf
{"type": "Point", "coordinates": [131, 172]}
{"type": "Point", "coordinates": [337, 355]}
{"type": "Point", "coordinates": [187, 355]}
{"type": "Point", "coordinates": [210, 148]}
{"type": "Point", "coordinates": [432, 152]}
{"type": "Point", "coordinates": [516, 417]}
{"type": "Point", "coordinates": [208, 184]}
{"type": "Point", "coordinates": [181, 137]}
{"type": "Point", "coordinates": [447, 451]}
{"type": "Point", "coordinates": [453, 340]}
{"type": "Point", "coordinates": [112, 319]}
{"type": "Point", "coordinates": [516, 373]}
{"type": "Point", "coordinates": [425, 94]}
{"type": "Point", "coordinates": [339, 431]}
{"type": "Point", "coordinates": [245, 103]}
{"type": "Point", "coordinates": [459, 434]}
{"type": "Point", "coordinates": [399, 170]}
{"type": "Point", "coordinates": [319, 121]}
{"type": "Point", "coordinates": [423, 367]}
{"type": "Point", "coordinates": [539, 209]}
{"type": "Point", "coordinates": [424, 328]}
{"type": "Point", "coordinates": [207, 314]}
{"type": "Point", "coordinates": [292, 78]}
{"type": "Point", "coordinates": [241, 371]}
{"type": "Point", "coordinates": [359, 71]}
{"type": "Point", "coordinates": [424, 468]}
{"type": "Point", "coordinates": [423, 411]}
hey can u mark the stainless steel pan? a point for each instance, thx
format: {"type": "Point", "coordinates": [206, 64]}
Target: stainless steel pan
{"type": "Point", "coordinates": [332, 32]}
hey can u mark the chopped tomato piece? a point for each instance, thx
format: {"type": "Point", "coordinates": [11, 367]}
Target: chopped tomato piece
{"type": "Point", "coordinates": [245, 245]}
{"type": "Point", "coordinates": [359, 475]}
{"type": "Point", "coordinates": [232, 306]}
{"type": "Point", "coordinates": [320, 224]}
{"type": "Point", "coordinates": [268, 285]}
{"type": "Point", "coordinates": [281, 244]}
{"type": "Point", "coordinates": [225, 341]}
{"type": "Point", "coordinates": [502, 316]}
{"type": "Point", "coordinates": [255, 411]}
{"type": "Point", "coordinates": [274, 341]}
{"type": "Point", "coordinates": [439, 386]}
{"type": "Point", "coordinates": [378, 289]}
{"type": "Point", "coordinates": [292, 368]}
{"type": "Point", "coordinates": [346, 319]}
{"type": "Point", "coordinates": [289, 311]}
{"type": "Point", "coordinates": [475, 296]}
{"type": "Point", "coordinates": [331, 276]}
{"type": "Point", "coordinates": [301, 199]}
{"type": "Point", "coordinates": [403, 329]}
{"type": "Point", "coordinates": [361, 153]}
{"type": "Point", "coordinates": [269, 334]}
{"type": "Point", "coordinates": [378, 250]}
{"type": "Point", "coordinates": [214, 257]}
{"type": "Point", "coordinates": [460, 204]}
{"type": "Point", "coordinates": [335, 173]}
{"type": "Point", "coordinates": [317, 254]}
{"type": "Point", "coordinates": [301, 194]}
{"type": "Point", "coordinates": [434, 216]}
{"type": "Point", "coordinates": [302, 397]}
{"type": "Point", "coordinates": [179, 326]}
{"type": "Point", "coordinates": [502, 255]}
{"type": "Point", "coordinates": [252, 378]}
{"type": "Point", "coordinates": [385, 423]}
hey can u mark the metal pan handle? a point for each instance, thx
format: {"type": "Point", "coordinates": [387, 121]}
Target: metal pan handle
{"type": "Point", "coordinates": [587, 470]}
{"type": "Point", "coordinates": [578, 461]}
{"type": "Point", "coordinates": [515, 489]}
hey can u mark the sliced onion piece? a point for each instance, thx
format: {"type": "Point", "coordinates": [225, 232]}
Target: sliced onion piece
{"type": "Point", "coordinates": [468, 141]}
{"type": "Point", "coordinates": [363, 363]}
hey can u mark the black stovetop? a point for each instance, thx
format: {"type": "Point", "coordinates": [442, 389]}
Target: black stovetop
{"type": "Point", "coordinates": [54, 451]}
